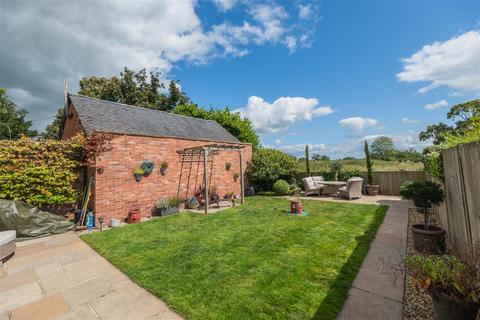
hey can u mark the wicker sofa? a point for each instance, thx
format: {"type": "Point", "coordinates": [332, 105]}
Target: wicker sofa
{"type": "Point", "coordinates": [313, 185]}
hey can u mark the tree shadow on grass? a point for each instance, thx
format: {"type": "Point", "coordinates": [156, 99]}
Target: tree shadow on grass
{"type": "Point", "coordinates": [338, 291]}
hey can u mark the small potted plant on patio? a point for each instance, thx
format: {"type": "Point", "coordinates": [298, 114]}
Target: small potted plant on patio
{"type": "Point", "coordinates": [161, 207]}
{"type": "Point", "coordinates": [426, 237]}
{"type": "Point", "coordinates": [372, 189]}
{"type": "Point", "coordinates": [228, 165]}
{"type": "Point", "coordinates": [139, 172]}
{"type": "Point", "coordinates": [163, 167]}
{"type": "Point", "coordinates": [453, 282]}
{"type": "Point", "coordinates": [173, 205]}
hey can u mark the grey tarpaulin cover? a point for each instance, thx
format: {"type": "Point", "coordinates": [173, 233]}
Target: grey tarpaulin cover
{"type": "Point", "coordinates": [29, 221]}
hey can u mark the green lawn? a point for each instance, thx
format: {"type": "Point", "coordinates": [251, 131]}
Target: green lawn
{"type": "Point", "coordinates": [248, 262]}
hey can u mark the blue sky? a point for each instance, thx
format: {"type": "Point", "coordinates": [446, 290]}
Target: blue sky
{"type": "Point", "coordinates": [326, 73]}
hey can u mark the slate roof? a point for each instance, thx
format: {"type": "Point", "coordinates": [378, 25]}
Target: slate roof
{"type": "Point", "coordinates": [107, 116]}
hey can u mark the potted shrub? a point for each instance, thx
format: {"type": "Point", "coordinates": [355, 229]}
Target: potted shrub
{"type": "Point", "coordinates": [191, 203]}
{"type": "Point", "coordinates": [424, 194]}
{"type": "Point", "coordinates": [228, 165]}
{"type": "Point", "coordinates": [163, 167]}
{"type": "Point", "coordinates": [165, 206]}
{"type": "Point", "coordinates": [139, 172]}
{"type": "Point", "coordinates": [372, 189]}
{"type": "Point", "coordinates": [235, 176]}
{"type": "Point", "coordinates": [452, 282]}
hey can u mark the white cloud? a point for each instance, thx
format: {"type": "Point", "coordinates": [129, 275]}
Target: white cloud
{"type": "Point", "coordinates": [305, 11]}
{"type": "Point", "coordinates": [278, 141]}
{"type": "Point", "coordinates": [282, 113]}
{"type": "Point", "coordinates": [436, 105]}
{"type": "Point", "coordinates": [51, 41]}
{"type": "Point", "coordinates": [454, 63]}
{"type": "Point", "coordinates": [291, 43]}
{"type": "Point", "coordinates": [355, 125]}
{"type": "Point", "coordinates": [409, 121]}
{"type": "Point", "coordinates": [298, 150]}
{"type": "Point", "coordinates": [225, 5]}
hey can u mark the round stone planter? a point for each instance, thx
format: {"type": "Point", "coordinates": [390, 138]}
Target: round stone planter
{"type": "Point", "coordinates": [372, 189]}
{"type": "Point", "coordinates": [430, 241]}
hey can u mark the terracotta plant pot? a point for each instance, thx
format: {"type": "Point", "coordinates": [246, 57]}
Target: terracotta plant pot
{"type": "Point", "coordinates": [431, 240]}
{"type": "Point", "coordinates": [296, 207]}
{"type": "Point", "coordinates": [448, 308]}
{"type": "Point", "coordinates": [372, 189]}
{"type": "Point", "coordinates": [134, 216]}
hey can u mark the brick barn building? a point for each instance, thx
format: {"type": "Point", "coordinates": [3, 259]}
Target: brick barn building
{"type": "Point", "coordinates": [141, 134]}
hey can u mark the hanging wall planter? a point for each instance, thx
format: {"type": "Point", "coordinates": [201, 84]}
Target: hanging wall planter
{"type": "Point", "coordinates": [228, 165]}
{"type": "Point", "coordinates": [138, 174]}
{"type": "Point", "coordinates": [147, 166]}
{"type": "Point", "coordinates": [163, 167]}
{"type": "Point", "coordinates": [235, 176]}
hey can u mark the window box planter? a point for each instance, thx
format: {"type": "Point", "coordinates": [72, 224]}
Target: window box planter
{"type": "Point", "coordinates": [165, 211]}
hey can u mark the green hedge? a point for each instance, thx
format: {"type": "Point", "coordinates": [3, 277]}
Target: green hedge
{"type": "Point", "coordinates": [40, 172]}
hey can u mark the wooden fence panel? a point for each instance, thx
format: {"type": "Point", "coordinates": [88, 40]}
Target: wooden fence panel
{"type": "Point", "coordinates": [460, 215]}
{"type": "Point", "coordinates": [391, 181]}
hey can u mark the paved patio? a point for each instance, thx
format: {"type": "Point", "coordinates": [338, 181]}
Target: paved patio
{"type": "Point", "coordinates": [377, 292]}
{"type": "Point", "coordinates": [61, 277]}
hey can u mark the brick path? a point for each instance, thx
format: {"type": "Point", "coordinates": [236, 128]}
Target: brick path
{"type": "Point", "coordinates": [61, 277]}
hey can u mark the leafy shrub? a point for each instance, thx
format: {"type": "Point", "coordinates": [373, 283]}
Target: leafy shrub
{"type": "Point", "coordinates": [456, 276]}
{"type": "Point", "coordinates": [42, 173]}
{"type": "Point", "coordinates": [269, 165]}
{"type": "Point", "coordinates": [281, 187]}
{"type": "Point", "coordinates": [344, 175]}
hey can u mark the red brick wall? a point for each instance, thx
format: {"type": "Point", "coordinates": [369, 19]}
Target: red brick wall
{"type": "Point", "coordinates": [116, 189]}
{"type": "Point", "coordinates": [72, 123]}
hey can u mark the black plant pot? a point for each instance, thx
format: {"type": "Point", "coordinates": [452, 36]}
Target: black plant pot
{"type": "Point", "coordinates": [430, 241]}
{"type": "Point", "coordinates": [447, 308]}
{"type": "Point", "coordinates": [138, 177]}
{"type": "Point", "coordinates": [163, 171]}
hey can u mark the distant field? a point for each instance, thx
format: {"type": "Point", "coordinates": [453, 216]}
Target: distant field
{"type": "Point", "coordinates": [378, 165]}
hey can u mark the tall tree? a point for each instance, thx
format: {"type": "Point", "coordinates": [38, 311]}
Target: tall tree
{"type": "Point", "coordinates": [307, 159]}
{"type": "Point", "coordinates": [464, 115]}
{"type": "Point", "coordinates": [233, 122]}
{"type": "Point", "coordinates": [12, 119]}
{"type": "Point", "coordinates": [135, 88]}
{"type": "Point", "coordinates": [382, 147]}
{"type": "Point", "coordinates": [52, 131]}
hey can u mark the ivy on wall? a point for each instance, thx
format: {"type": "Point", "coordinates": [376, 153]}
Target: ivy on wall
{"type": "Point", "coordinates": [40, 172]}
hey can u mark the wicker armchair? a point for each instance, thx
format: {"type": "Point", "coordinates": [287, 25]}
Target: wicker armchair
{"type": "Point", "coordinates": [353, 189]}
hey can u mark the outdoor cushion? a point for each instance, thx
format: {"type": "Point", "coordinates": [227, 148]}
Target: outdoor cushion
{"type": "Point", "coordinates": [7, 236]}
{"type": "Point", "coordinates": [343, 189]}
{"type": "Point", "coordinates": [309, 182]}
{"type": "Point", "coordinates": [318, 181]}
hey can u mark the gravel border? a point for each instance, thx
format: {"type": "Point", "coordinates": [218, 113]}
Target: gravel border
{"type": "Point", "coordinates": [417, 303]}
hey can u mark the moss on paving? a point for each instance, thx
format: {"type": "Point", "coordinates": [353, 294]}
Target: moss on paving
{"type": "Point", "coordinates": [248, 262]}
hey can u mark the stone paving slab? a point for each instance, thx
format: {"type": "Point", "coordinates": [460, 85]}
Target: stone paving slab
{"type": "Point", "coordinates": [60, 277]}
{"type": "Point", "coordinates": [377, 291]}
{"type": "Point", "coordinates": [43, 309]}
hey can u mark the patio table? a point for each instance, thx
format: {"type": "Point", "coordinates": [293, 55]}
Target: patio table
{"type": "Point", "coordinates": [331, 187]}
